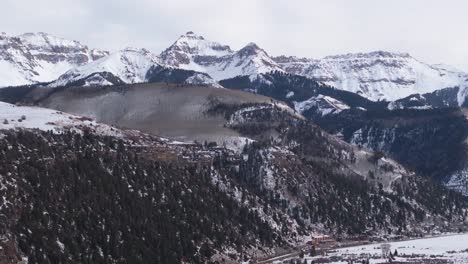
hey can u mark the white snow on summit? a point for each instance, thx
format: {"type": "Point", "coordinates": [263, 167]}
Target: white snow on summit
{"type": "Point", "coordinates": [130, 65]}
{"type": "Point", "coordinates": [193, 52]}
{"type": "Point", "coordinates": [377, 75]}
{"type": "Point", "coordinates": [191, 45]}
{"type": "Point", "coordinates": [40, 57]}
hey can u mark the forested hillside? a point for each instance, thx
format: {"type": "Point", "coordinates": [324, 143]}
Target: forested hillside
{"type": "Point", "coordinates": [78, 198]}
{"type": "Point", "coordinates": [86, 199]}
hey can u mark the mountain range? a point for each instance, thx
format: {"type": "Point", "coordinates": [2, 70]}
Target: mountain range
{"type": "Point", "coordinates": [40, 57]}
{"type": "Point", "coordinates": [205, 154]}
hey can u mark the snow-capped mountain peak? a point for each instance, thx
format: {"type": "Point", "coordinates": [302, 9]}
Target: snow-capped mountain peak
{"type": "Point", "coordinates": [193, 52]}
{"type": "Point", "coordinates": [253, 60]}
{"type": "Point", "coordinates": [130, 65]}
{"type": "Point", "coordinates": [44, 40]}
{"type": "Point", "coordinates": [198, 45]}
{"type": "Point", "coordinates": [189, 47]}
{"type": "Point", "coordinates": [378, 75]}
{"type": "Point", "coordinates": [40, 57]}
{"type": "Point", "coordinates": [251, 49]}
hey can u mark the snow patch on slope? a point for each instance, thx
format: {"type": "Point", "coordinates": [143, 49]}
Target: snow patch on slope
{"type": "Point", "coordinates": [459, 181]}
{"type": "Point", "coordinates": [324, 104]}
{"type": "Point", "coordinates": [202, 79]}
{"type": "Point", "coordinates": [17, 117]}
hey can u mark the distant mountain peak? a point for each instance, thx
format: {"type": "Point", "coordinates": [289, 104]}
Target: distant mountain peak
{"type": "Point", "coordinates": [190, 46]}
{"type": "Point", "coordinates": [194, 44]}
{"type": "Point", "coordinates": [130, 65]}
{"type": "Point", "coordinates": [40, 57]}
{"type": "Point", "coordinates": [251, 49]}
{"type": "Point", "coordinates": [372, 54]}
{"type": "Point", "coordinates": [377, 75]}
{"type": "Point", "coordinates": [252, 45]}
{"type": "Point", "coordinates": [191, 34]}
{"type": "Point", "coordinates": [193, 52]}
{"type": "Point", "coordinates": [42, 39]}
{"type": "Point", "coordinates": [286, 59]}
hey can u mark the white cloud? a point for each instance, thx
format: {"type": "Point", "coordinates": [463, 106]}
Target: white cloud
{"type": "Point", "coordinates": [431, 30]}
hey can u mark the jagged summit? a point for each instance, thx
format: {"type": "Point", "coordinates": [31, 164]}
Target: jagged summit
{"type": "Point", "coordinates": [189, 52]}
{"type": "Point", "coordinates": [130, 65]}
{"type": "Point", "coordinates": [193, 52]}
{"type": "Point", "coordinates": [191, 34]}
{"type": "Point", "coordinates": [252, 45]}
{"type": "Point", "coordinates": [189, 45]}
{"type": "Point", "coordinates": [251, 49]}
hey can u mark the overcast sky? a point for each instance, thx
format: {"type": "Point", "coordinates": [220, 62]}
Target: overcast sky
{"type": "Point", "coordinates": [434, 31]}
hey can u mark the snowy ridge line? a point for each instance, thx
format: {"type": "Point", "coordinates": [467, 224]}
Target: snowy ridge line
{"type": "Point", "coordinates": [379, 75]}
{"type": "Point", "coordinates": [376, 75]}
